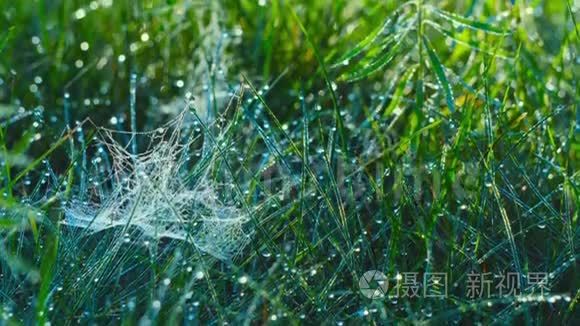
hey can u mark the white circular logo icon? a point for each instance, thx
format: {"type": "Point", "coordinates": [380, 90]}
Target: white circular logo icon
{"type": "Point", "coordinates": [373, 284]}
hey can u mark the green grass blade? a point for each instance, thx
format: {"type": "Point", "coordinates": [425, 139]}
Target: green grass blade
{"type": "Point", "coordinates": [398, 95]}
{"type": "Point", "coordinates": [338, 117]}
{"type": "Point", "coordinates": [377, 63]}
{"type": "Point", "coordinates": [6, 37]}
{"type": "Point", "coordinates": [361, 46]}
{"type": "Point", "coordinates": [440, 73]}
{"type": "Point", "coordinates": [46, 275]}
{"type": "Point", "coordinates": [460, 20]}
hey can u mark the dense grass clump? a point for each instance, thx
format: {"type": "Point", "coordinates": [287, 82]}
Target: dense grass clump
{"type": "Point", "coordinates": [247, 162]}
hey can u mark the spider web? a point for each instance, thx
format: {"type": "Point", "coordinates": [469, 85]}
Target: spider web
{"type": "Point", "coordinates": [148, 192]}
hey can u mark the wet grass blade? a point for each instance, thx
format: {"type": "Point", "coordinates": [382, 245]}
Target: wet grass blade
{"type": "Point", "coordinates": [474, 45]}
{"type": "Point", "coordinates": [46, 275]}
{"type": "Point", "coordinates": [338, 117]}
{"type": "Point", "coordinates": [6, 37]}
{"type": "Point", "coordinates": [360, 47]}
{"type": "Point", "coordinates": [398, 95]}
{"type": "Point", "coordinates": [460, 20]}
{"type": "Point", "coordinates": [440, 73]}
{"type": "Point", "coordinates": [377, 63]}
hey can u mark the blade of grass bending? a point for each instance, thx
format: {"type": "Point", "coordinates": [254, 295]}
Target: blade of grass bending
{"type": "Point", "coordinates": [362, 45]}
{"type": "Point", "coordinates": [339, 122]}
{"type": "Point", "coordinates": [371, 38]}
{"type": "Point", "coordinates": [463, 21]}
{"type": "Point", "coordinates": [440, 73]}
{"type": "Point", "coordinates": [379, 63]}
{"type": "Point", "coordinates": [472, 45]}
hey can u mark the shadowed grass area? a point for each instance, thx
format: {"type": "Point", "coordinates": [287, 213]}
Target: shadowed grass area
{"type": "Point", "coordinates": [249, 161]}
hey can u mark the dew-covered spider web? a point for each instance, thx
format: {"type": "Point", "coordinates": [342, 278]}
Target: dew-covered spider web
{"type": "Point", "coordinates": [153, 191]}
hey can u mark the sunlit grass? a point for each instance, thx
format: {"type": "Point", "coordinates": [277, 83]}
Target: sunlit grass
{"type": "Point", "coordinates": [424, 137]}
